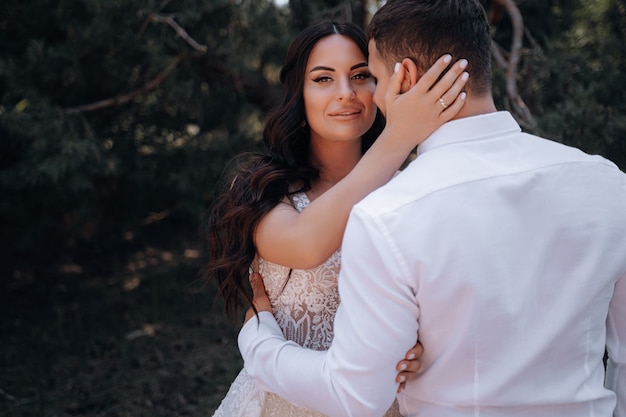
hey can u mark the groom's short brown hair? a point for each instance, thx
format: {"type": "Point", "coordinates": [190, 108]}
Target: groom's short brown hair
{"type": "Point", "coordinates": [424, 30]}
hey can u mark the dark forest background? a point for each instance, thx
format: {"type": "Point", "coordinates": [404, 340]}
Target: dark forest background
{"type": "Point", "coordinates": [117, 120]}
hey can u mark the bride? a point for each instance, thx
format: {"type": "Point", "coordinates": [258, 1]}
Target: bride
{"type": "Point", "coordinates": [285, 210]}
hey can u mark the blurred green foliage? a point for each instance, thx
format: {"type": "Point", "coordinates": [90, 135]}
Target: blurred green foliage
{"type": "Point", "coordinates": [117, 117]}
{"type": "Point", "coordinates": [571, 72]}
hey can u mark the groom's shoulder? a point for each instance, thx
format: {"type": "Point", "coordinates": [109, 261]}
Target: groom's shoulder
{"type": "Point", "coordinates": [401, 190]}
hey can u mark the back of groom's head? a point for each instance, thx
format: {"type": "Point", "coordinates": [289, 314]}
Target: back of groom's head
{"type": "Point", "coordinates": [423, 30]}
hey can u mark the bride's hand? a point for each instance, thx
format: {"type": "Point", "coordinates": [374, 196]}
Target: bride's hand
{"type": "Point", "coordinates": [259, 296]}
{"type": "Point", "coordinates": [415, 107]}
{"type": "Point", "coordinates": [408, 367]}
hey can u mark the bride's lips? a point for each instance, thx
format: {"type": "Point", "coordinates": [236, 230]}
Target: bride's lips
{"type": "Point", "coordinates": [346, 114]}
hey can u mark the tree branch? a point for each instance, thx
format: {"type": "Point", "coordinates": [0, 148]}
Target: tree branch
{"type": "Point", "coordinates": [169, 20]}
{"type": "Point", "coordinates": [123, 99]}
{"type": "Point", "coordinates": [498, 56]}
{"type": "Point", "coordinates": [516, 102]}
{"type": "Point", "coordinates": [155, 82]}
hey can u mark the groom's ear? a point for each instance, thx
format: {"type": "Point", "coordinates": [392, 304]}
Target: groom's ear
{"type": "Point", "coordinates": [412, 74]}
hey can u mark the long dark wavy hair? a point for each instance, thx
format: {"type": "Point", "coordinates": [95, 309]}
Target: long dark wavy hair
{"type": "Point", "coordinates": [259, 181]}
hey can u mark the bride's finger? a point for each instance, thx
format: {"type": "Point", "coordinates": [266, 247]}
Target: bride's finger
{"type": "Point", "coordinates": [452, 100]}
{"type": "Point", "coordinates": [395, 83]}
{"type": "Point", "coordinates": [449, 79]}
{"type": "Point", "coordinates": [430, 77]}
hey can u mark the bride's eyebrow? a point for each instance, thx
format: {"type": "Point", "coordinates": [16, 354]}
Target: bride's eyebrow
{"type": "Point", "coordinates": [321, 68]}
{"type": "Point", "coordinates": [324, 68]}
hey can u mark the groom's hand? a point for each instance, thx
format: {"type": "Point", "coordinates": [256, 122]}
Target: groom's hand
{"type": "Point", "coordinates": [259, 297]}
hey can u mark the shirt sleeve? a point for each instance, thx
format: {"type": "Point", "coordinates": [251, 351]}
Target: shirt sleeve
{"type": "Point", "coordinates": [616, 347]}
{"type": "Point", "coordinates": [375, 325]}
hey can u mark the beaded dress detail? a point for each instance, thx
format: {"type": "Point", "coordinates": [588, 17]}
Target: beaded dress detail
{"type": "Point", "coordinates": [304, 303]}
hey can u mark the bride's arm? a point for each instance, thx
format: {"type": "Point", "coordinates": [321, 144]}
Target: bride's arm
{"type": "Point", "coordinates": [303, 240]}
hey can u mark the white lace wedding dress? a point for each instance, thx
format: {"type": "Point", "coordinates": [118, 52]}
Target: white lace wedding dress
{"type": "Point", "coordinates": [304, 304]}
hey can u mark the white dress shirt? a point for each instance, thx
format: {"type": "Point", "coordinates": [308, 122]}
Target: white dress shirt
{"type": "Point", "coordinates": [507, 252]}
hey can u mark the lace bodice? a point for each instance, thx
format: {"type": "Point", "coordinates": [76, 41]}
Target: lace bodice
{"type": "Point", "coordinates": [304, 301]}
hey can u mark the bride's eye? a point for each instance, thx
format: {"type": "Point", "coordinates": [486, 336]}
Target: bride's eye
{"type": "Point", "coordinates": [363, 76]}
{"type": "Point", "coordinates": [322, 79]}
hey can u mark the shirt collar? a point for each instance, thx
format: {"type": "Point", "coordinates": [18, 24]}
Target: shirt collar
{"type": "Point", "coordinates": [479, 127]}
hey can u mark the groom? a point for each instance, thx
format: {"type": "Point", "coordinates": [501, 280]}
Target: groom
{"type": "Point", "coordinates": [505, 250]}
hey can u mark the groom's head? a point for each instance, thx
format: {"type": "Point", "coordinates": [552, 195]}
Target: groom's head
{"type": "Point", "coordinates": [424, 30]}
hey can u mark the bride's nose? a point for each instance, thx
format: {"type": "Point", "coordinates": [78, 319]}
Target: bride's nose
{"type": "Point", "coordinates": [346, 91]}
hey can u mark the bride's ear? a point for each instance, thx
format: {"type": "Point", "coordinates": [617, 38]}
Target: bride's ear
{"type": "Point", "coordinates": [412, 74]}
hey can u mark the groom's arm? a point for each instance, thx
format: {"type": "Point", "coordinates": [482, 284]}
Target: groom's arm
{"type": "Point", "coordinates": [616, 347]}
{"type": "Point", "coordinates": [375, 324]}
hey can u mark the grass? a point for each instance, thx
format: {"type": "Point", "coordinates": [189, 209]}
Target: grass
{"type": "Point", "coordinates": [135, 341]}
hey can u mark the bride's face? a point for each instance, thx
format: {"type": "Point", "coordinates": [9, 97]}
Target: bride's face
{"type": "Point", "coordinates": [338, 91]}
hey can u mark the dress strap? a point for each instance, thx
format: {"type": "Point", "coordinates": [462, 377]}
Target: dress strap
{"type": "Point", "coordinates": [300, 200]}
